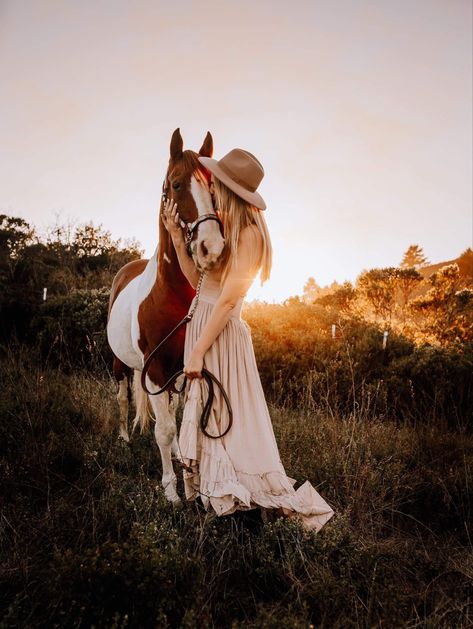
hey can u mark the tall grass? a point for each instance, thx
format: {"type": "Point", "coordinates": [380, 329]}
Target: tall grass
{"type": "Point", "coordinates": [88, 539]}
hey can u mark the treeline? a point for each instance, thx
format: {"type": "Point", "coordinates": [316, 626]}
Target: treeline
{"type": "Point", "coordinates": [35, 269]}
{"type": "Point", "coordinates": [377, 348]}
{"type": "Point", "coordinates": [432, 304]}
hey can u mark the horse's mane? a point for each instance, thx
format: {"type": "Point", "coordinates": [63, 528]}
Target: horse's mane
{"type": "Point", "coordinates": [191, 162]}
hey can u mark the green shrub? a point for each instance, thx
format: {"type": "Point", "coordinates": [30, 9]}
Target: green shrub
{"type": "Point", "coordinates": [302, 365]}
{"type": "Point", "coordinates": [70, 330]}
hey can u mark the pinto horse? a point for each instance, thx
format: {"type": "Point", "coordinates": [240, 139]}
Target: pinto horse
{"type": "Point", "coordinates": [150, 297]}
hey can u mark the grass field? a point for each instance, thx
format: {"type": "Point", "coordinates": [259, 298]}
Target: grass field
{"type": "Point", "coordinates": [88, 541]}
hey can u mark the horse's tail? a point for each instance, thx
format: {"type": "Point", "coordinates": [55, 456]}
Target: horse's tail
{"type": "Point", "coordinates": [143, 407]}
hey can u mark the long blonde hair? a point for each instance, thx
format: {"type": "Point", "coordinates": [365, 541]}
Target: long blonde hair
{"type": "Point", "coordinates": [235, 214]}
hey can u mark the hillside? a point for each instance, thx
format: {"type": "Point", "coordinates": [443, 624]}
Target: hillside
{"type": "Point", "coordinates": [465, 267]}
{"type": "Point", "coordinates": [464, 261]}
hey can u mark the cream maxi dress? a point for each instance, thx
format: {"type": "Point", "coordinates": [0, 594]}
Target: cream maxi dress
{"type": "Point", "coordinates": [241, 470]}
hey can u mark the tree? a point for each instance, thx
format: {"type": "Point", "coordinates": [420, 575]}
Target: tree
{"type": "Point", "coordinates": [91, 241]}
{"type": "Point", "coordinates": [377, 288]}
{"type": "Point", "coordinates": [67, 258]}
{"type": "Point", "coordinates": [340, 299]}
{"type": "Point", "coordinates": [89, 257]}
{"type": "Point", "coordinates": [446, 309]}
{"type": "Point", "coordinates": [465, 264]}
{"type": "Point", "coordinates": [15, 235]}
{"type": "Point", "coordinates": [406, 279]}
{"type": "Point", "coordinates": [311, 291]}
{"type": "Point", "coordinates": [414, 257]}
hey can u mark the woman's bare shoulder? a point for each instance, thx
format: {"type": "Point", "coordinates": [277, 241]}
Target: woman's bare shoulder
{"type": "Point", "coordinates": [250, 246]}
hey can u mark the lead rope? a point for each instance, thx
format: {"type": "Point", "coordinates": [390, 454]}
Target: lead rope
{"type": "Point", "coordinates": [180, 461]}
{"type": "Point", "coordinates": [207, 375]}
{"type": "Point", "coordinates": [149, 360]}
{"type": "Point", "coordinates": [206, 410]}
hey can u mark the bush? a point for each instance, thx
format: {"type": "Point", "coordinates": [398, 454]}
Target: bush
{"type": "Point", "coordinates": [300, 364]}
{"type": "Point", "coordinates": [433, 384]}
{"type": "Point", "coordinates": [70, 330]}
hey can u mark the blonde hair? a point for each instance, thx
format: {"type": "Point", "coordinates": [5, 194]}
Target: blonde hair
{"type": "Point", "coordinates": [235, 214]}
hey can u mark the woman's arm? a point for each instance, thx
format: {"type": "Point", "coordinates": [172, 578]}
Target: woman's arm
{"type": "Point", "coordinates": [185, 261]}
{"type": "Point", "coordinates": [170, 218]}
{"type": "Point", "coordinates": [236, 285]}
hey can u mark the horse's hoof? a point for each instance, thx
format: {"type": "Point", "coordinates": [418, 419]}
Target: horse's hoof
{"type": "Point", "coordinates": [173, 499]}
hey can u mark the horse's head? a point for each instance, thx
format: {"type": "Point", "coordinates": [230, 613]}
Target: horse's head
{"type": "Point", "coordinates": [188, 184]}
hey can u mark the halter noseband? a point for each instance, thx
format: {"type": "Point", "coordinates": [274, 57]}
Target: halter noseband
{"type": "Point", "coordinates": [189, 226]}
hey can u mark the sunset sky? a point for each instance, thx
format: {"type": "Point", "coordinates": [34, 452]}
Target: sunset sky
{"type": "Point", "coordinates": [359, 110]}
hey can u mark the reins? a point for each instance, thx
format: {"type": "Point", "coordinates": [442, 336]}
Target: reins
{"type": "Point", "coordinates": [207, 375]}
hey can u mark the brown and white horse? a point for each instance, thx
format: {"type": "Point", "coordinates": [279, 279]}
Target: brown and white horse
{"type": "Point", "coordinates": [150, 297]}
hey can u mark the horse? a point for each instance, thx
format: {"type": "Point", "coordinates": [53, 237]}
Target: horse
{"type": "Point", "coordinates": [149, 297]}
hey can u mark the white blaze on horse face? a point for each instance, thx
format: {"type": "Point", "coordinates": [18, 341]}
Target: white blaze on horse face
{"type": "Point", "coordinates": [208, 245]}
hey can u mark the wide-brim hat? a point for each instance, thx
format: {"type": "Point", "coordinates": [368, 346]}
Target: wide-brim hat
{"type": "Point", "coordinates": [241, 172]}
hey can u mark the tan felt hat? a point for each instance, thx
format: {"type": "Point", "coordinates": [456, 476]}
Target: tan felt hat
{"type": "Point", "coordinates": [241, 172]}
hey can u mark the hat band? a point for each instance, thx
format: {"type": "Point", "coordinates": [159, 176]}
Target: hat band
{"type": "Point", "coordinates": [236, 179]}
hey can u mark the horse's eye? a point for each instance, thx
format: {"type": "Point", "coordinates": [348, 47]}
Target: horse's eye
{"type": "Point", "coordinates": [176, 185]}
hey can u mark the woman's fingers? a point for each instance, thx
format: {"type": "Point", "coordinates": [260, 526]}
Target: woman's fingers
{"type": "Point", "coordinates": [167, 208]}
{"type": "Point", "coordinates": [171, 216]}
{"type": "Point", "coordinates": [170, 208]}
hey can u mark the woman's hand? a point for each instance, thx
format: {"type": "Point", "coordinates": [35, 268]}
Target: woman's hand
{"type": "Point", "coordinates": [193, 367]}
{"type": "Point", "coordinates": [170, 218]}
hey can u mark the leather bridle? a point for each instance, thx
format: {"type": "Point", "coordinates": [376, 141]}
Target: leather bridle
{"type": "Point", "coordinates": [189, 226]}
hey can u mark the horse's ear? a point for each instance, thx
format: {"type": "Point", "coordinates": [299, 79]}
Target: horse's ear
{"type": "Point", "coordinates": [176, 145]}
{"type": "Point", "coordinates": [207, 148]}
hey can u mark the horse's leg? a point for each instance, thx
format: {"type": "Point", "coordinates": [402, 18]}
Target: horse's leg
{"type": "Point", "coordinates": [174, 404]}
{"type": "Point", "coordinates": [175, 442]}
{"type": "Point", "coordinates": [165, 435]}
{"type": "Point", "coordinates": [122, 375]}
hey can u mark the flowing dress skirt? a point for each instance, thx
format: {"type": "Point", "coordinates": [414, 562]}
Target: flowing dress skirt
{"type": "Point", "coordinates": [242, 470]}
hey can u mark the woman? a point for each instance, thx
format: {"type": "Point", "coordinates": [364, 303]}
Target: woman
{"type": "Point", "coordinates": [242, 470]}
